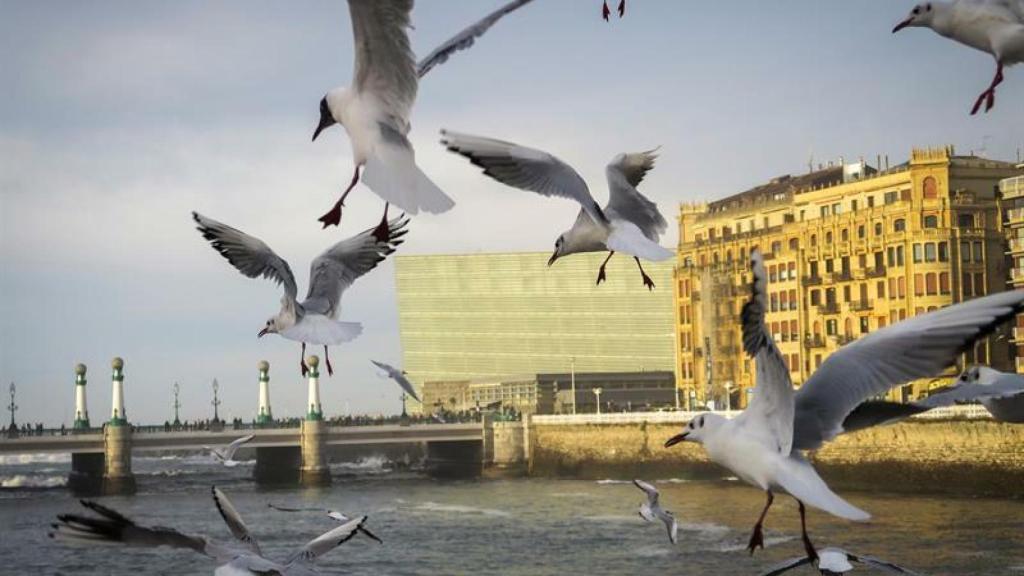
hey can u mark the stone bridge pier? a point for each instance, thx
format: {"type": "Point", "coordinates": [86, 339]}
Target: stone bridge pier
{"type": "Point", "coordinates": [117, 440]}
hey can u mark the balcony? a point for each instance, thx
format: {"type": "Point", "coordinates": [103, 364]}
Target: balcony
{"type": "Point", "coordinates": [828, 308]}
{"type": "Point", "coordinates": [1012, 187]}
{"type": "Point", "coordinates": [815, 341]}
{"type": "Point", "coordinates": [844, 276]}
{"type": "Point", "coordinates": [1017, 274]}
{"type": "Point", "coordinates": [1016, 245]}
{"type": "Point", "coordinates": [844, 339]}
{"type": "Point", "coordinates": [876, 272]}
{"type": "Point", "coordinates": [1015, 215]}
{"type": "Point", "coordinates": [811, 280]}
{"type": "Point", "coordinates": [1020, 364]}
{"type": "Point", "coordinates": [860, 305]}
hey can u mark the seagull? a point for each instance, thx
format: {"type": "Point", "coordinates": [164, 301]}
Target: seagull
{"type": "Point", "coordinates": [992, 26]}
{"type": "Point", "coordinates": [1001, 393]}
{"type": "Point", "coordinates": [375, 110]}
{"type": "Point", "coordinates": [226, 454]}
{"type": "Point", "coordinates": [398, 376]}
{"type": "Point", "coordinates": [763, 445]}
{"type": "Point", "coordinates": [652, 509]}
{"type": "Point", "coordinates": [629, 223]}
{"type": "Point", "coordinates": [332, 514]}
{"type": "Point", "coordinates": [311, 321]}
{"type": "Point", "coordinates": [836, 561]}
{"type": "Point", "coordinates": [605, 12]}
{"type": "Point", "coordinates": [242, 556]}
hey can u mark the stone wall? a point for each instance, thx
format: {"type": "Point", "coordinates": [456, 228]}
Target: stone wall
{"type": "Point", "coordinates": [970, 457]}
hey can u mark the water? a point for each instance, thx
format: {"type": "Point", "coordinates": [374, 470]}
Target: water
{"type": "Point", "coordinates": [508, 527]}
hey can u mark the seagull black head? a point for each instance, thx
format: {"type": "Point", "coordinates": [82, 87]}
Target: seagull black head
{"type": "Point", "coordinates": [326, 118]}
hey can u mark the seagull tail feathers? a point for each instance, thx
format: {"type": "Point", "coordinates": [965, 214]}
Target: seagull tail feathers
{"type": "Point", "coordinates": [797, 477]}
{"type": "Point", "coordinates": [391, 172]}
{"type": "Point", "coordinates": [627, 238]}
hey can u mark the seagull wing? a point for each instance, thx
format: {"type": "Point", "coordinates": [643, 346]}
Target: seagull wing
{"type": "Point", "coordinates": [384, 66]}
{"type": "Point", "coordinates": [1003, 387]}
{"type": "Point", "coordinates": [524, 168]}
{"type": "Point", "coordinates": [880, 564]}
{"type": "Point", "coordinates": [234, 521]}
{"type": "Point", "coordinates": [769, 416]}
{"type": "Point", "coordinates": [465, 38]}
{"type": "Point", "coordinates": [340, 265]}
{"type": "Point", "coordinates": [248, 254]}
{"type": "Point", "coordinates": [650, 490]}
{"type": "Point", "coordinates": [396, 375]}
{"type": "Point", "coordinates": [625, 201]}
{"type": "Point", "coordinates": [920, 347]}
{"type": "Point", "coordinates": [326, 542]}
{"type": "Point", "coordinates": [672, 526]}
{"type": "Point", "coordinates": [787, 566]}
{"type": "Point", "coordinates": [287, 509]}
{"type": "Point", "coordinates": [229, 451]}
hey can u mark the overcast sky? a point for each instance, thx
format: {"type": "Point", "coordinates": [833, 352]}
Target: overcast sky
{"type": "Point", "coordinates": [119, 118]}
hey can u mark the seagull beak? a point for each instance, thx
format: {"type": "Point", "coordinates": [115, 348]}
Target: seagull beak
{"type": "Point", "coordinates": [262, 333]}
{"type": "Point", "coordinates": [902, 25]}
{"type": "Point", "coordinates": [675, 440]}
{"type": "Point", "coordinates": [326, 119]}
{"type": "Point", "coordinates": [554, 256]}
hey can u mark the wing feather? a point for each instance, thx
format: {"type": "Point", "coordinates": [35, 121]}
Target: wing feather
{"type": "Point", "coordinates": [248, 254]}
{"type": "Point", "coordinates": [234, 520]}
{"type": "Point", "coordinates": [384, 66]}
{"type": "Point", "coordinates": [466, 37]}
{"type": "Point", "coordinates": [624, 174]}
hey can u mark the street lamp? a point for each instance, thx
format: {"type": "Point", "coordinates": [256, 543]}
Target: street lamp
{"type": "Point", "coordinates": [12, 407]}
{"type": "Point", "coordinates": [177, 404]}
{"type": "Point", "coordinates": [216, 401]}
{"type": "Point", "coordinates": [597, 392]}
{"type": "Point", "coordinates": [572, 380]}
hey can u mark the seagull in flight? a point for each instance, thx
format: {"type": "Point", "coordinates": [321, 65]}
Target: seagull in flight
{"type": "Point", "coordinates": [226, 454]}
{"type": "Point", "coordinates": [605, 12]}
{"type": "Point", "coordinates": [312, 321]}
{"type": "Point", "coordinates": [763, 445]}
{"type": "Point", "coordinates": [332, 514]}
{"type": "Point", "coordinates": [399, 377]}
{"type": "Point", "coordinates": [629, 223]}
{"type": "Point", "coordinates": [1000, 392]}
{"type": "Point", "coordinates": [992, 26]}
{"type": "Point", "coordinates": [836, 561]}
{"type": "Point", "coordinates": [242, 556]}
{"type": "Point", "coordinates": [375, 109]}
{"type": "Point", "coordinates": [652, 509]}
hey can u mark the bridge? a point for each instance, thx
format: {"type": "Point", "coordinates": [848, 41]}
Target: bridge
{"type": "Point", "coordinates": [101, 457]}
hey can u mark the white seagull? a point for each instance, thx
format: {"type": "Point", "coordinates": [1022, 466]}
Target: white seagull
{"type": "Point", "coordinates": [836, 561]}
{"type": "Point", "coordinates": [375, 110]}
{"type": "Point", "coordinates": [332, 514]}
{"type": "Point", "coordinates": [1001, 393]}
{"type": "Point", "coordinates": [992, 26]}
{"type": "Point", "coordinates": [312, 321]}
{"type": "Point", "coordinates": [226, 454]}
{"type": "Point", "coordinates": [399, 377]}
{"type": "Point", "coordinates": [240, 557]}
{"type": "Point", "coordinates": [629, 223]}
{"type": "Point", "coordinates": [763, 444]}
{"type": "Point", "coordinates": [652, 509]}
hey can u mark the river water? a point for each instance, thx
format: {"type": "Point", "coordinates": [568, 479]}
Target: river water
{"type": "Point", "coordinates": [507, 527]}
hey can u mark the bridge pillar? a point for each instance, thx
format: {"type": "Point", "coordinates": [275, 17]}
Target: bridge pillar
{"type": "Point", "coordinates": [263, 414]}
{"type": "Point", "coordinates": [81, 410]}
{"type": "Point", "coordinates": [117, 440]}
{"type": "Point", "coordinates": [315, 470]}
{"type": "Point", "coordinates": [86, 478]}
{"type": "Point", "coordinates": [506, 446]}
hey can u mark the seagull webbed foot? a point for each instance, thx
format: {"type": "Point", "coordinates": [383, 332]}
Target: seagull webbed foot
{"type": "Point", "coordinates": [622, 8]}
{"type": "Point", "coordinates": [756, 539]}
{"type": "Point", "coordinates": [605, 12]}
{"type": "Point", "coordinates": [333, 216]}
{"type": "Point", "coordinates": [647, 281]}
{"type": "Point", "coordinates": [600, 275]}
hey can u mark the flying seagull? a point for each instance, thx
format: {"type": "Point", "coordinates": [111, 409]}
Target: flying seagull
{"type": "Point", "coordinates": [375, 109]}
{"type": "Point", "coordinates": [241, 556]}
{"type": "Point", "coordinates": [312, 321]}
{"type": "Point", "coordinates": [652, 509]}
{"type": "Point", "coordinates": [605, 12]}
{"type": "Point", "coordinates": [399, 377]}
{"type": "Point", "coordinates": [226, 454]}
{"type": "Point", "coordinates": [1001, 393]}
{"type": "Point", "coordinates": [992, 26]}
{"type": "Point", "coordinates": [763, 445]}
{"type": "Point", "coordinates": [629, 223]}
{"type": "Point", "coordinates": [836, 561]}
{"type": "Point", "coordinates": [332, 514]}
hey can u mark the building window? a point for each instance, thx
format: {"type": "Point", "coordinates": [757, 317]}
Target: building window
{"type": "Point", "coordinates": [774, 302]}
{"type": "Point", "coordinates": [871, 201]}
{"type": "Point", "coordinates": [728, 256]}
{"type": "Point", "coordinates": [831, 327]}
{"type": "Point", "coordinates": [918, 284]}
{"type": "Point", "coordinates": [844, 235]}
{"type": "Point", "coordinates": [828, 237]}
{"type": "Point", "coordinates": [918, 253]}
{"type": "Point", "coordinates": [943, 252]}
{"type": "Point", "coordinates": [814, 239]}
{"type": "Point", "coordinates": [966, 286]}
{"type": "Point", "coordinates": [943, 282]}
{"type": "Point", "coordinates": [880, 287]}
{"type": "Point", "coordinates": [848, 327]}
{"type": "Point", "coordinates": [979, 284]}
{"type": "Point", "coordinates": [977, 252]}
{"type": "Point", "coordinates": [891, 197]}
{"type": "Point", "coordinates": [853, 205]}
{"type": "Point", "coordinates": [899, 255]}
{"type": "Point", "coordinates": [815, 298]}
{"type": "Point", "coordinates": [931, 221]}
{"type": "Point", "coordinates": [965, 251]}
{"type": "Point", "coordinates": [899, 225]}
{"type": "Point", "coordinates": [878, 228]}
{"type": "Point", "coordinates": [794, 244]}
{"type": "Point", "coordinates": [930, 285]}
{"type": "Point", "coordinates": [902, 283]}
{"type": "Point", "coordinates": [861, 232]}
{"type": "Point", "coordinates": [864, 325]}
{"type": "Point", "coordinates": [931, 188]}
{"type": "Point", "coordinates": [837, 208]}
{"type": "Point", "coordinates": [890, 253]}
{"type": "Point", "coordinates": [776, 248]}
{"type": "Point", "coordinates": [929, 252]}
{"type": "Point", "coordinates": [824, 211]}
{"type": "Point", "coordinates": [965, 221]}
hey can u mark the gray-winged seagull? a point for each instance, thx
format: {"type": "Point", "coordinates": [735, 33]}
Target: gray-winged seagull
{"type": "Point", "coordinates": [836, 561]}
{"type": "Point", "coordinates": [226, 454]}
{"type": "Point", "coordinates": [652, 509]}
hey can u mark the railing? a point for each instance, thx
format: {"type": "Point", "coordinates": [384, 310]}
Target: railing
{"type": "Point", "coordinates": [860, 305]}
{"type": "Point", "coordinates": [875, 272]}
{"type": "Point", "coordinates": [811, 280]}
{"type": "Point", "coordinates": [815, 341]}
{"type": "Point", "coordinates": [1015, 215]}
{"type": "Point", "coordinates": [845, 276]}
{"type": "Point", "coordinates": [844, 339]}
{"type": "Point", "coordinates": [967, 412]}
{"type": "Point", "coordinates": [1016, 274]}
{"type": "Point", "coordinates": [1016, 244]}
{"type": "Point", "coordinates": [830, 308]}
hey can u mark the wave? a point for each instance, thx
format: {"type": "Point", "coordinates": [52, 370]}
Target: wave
{"type": "Point", "coordinates": [707, 529]}
{"type": "Point", "coordinates": [461, 509]}
{"type": "Point", "coordinates": [613, 481]}
{"type": "Point", "coordinates": [769, 541]}
{"type": "Point", "coordinates": [672, 481]}
{"type": "Point", "coordinates": [28, 481]}
{"type": "Point", "coordinates": [612, 518]}
{"type": "Point", "coordinates": [367, 465]}
{"type": "Point", "coordinates": [40, 458]}
{"type": "Point", "coordinates": [652, 551]}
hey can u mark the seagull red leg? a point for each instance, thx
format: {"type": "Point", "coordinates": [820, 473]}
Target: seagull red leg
{"type": "Point", "coordinates": [757, 537]}
{"type": "Point", "coordinates": [605, 12]}
{"type": "Point", "coordinates": [333, 216]}
{"type": "Point", "coordinates": [622, 8]}
{"type": "Point", "coordinates": [988, 97]}
{"type": "Point", "coordinates": [808, 547]}
{"type": "Point", "coordinates": [600, 272]}
{"type": "Point", "coordinates": [302, 361]}
{"type": "Point", "coordinates": [647, 279]}
{"type": "Point", "coordinates": [327, 359]}
{"type": "Point", "coordinates": [382, 232]}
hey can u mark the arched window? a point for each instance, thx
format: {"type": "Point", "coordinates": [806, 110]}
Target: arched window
{"type": "Point", "coordinates": [931, 188]}
{"type": "Point", "coordinates": [878, 228]}
{"type": "Point", "coordinates": [794, 244]}
{"type": "Point", "coordinates": [844, 235]}
{"type": "Point", "coordinates": [861, 232]}
{"type": "Point", "coordinates": [776, 247]}
{"type": "Point", "coordinates": [728, 256]}
{"type": "Point", "coordinates": [848, 327]}
{"type": "Point", "coordinates": [931, 221]}
{"type": "Point", "coordinates": [817, 328]}
{"type": "Point", "coordinates": [899, 225]}
{"type": "Point", "coordinates": [828, 237]}
{"type": "Point", "coordinates": [814, 239]}
{"type": "Point", "coordinates": [714, 258]}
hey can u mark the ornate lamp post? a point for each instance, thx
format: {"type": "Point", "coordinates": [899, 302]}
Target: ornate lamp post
{"type": "Point", "coordinates": [12, 431]}
{"type": "Point", "coordinates": [177, 404]}
{"type": "Point", "coordinates": [597, 392]}
{"type": "Point", "coordinates": [216, 402]}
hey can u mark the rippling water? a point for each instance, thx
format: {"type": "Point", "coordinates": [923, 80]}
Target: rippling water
{"type": "Point", "coordinates": [508, 527]}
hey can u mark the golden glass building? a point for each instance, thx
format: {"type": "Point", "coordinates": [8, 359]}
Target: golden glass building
{"type": "Point", "coordinates": [1012, 190]}
{"type": "Point", "coordinates": [485, 316]}
{"type": "Point", "coordinates": [849, 249]}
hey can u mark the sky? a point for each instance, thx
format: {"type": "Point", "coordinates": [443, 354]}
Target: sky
{"type": "Point", "coordinates": [118, 118]}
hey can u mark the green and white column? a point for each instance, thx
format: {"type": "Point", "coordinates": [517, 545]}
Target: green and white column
{"type": "Point", "coordinates": [117, 440]}
{"type": "Point", "coordinates": [81, 410]}
{"type": "Point", "coordinates": [264, 415]}
{"type": "Point", "coordinates": [117, 413]}
{"type": "Point", "coordinates": [315, 470]}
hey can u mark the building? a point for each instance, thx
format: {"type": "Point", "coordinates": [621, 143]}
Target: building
{"type": "Point", "coordinates": [849, 249]}
{"type": "Point", "coordinates": [1012, 190]}
{"type": "Point", "coordinates": [476, 317]}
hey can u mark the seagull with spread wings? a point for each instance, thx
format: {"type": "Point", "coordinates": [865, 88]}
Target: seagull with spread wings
{"type": "Point", "coordinates": [375, 109]}
{"type": "Point", "coordinates": [312, 321]}
{"type": "Point", "coordinates": [651, 510]}
{"type": "Point", "coordinates": [835, 562]}
{"type": "Point", "coordinates": [339, 517]}
{"type": "Point", "coordinates": [226, 454]}
{"type": "Point", "coordinates": [763, 445]}
{"type": "Point", "coordinates": [399, 377]}
{"type": "Point", "coordinates": [629, 223]}
{"type": "Point", "coordinates": [241, 556]}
